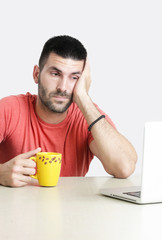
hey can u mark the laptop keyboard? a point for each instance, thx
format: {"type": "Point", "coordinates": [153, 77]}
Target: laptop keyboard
{"type": "Point", "coordinates": [134, 194]}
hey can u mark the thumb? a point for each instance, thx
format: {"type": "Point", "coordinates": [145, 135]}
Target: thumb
{"type": "Point", "coordinates": [30, 153]}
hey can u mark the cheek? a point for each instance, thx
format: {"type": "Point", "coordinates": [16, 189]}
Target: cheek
{"type": "Point", "coordinates": [72, 85]}
{"type": "Point", "coordinates": [48, 82]}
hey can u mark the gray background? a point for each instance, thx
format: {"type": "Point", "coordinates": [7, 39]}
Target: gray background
{"type": "Point", "coordinates": [124, 42]}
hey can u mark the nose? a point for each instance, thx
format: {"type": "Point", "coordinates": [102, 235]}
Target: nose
{"type": "Point", "coordinates": [62, 84]}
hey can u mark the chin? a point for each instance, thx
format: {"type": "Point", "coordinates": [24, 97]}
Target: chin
{"type": "Point", "coordinates": [61, 109]}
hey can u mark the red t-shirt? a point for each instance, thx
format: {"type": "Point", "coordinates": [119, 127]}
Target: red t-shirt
{"type": "Point", "coordinates": [21, 130]}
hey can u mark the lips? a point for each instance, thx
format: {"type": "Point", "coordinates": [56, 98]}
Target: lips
{"type": "Point", "coordinates": [60, 98]}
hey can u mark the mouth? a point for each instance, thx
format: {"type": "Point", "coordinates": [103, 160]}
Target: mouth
{"type": "Point", "coordinates": [60, 98]}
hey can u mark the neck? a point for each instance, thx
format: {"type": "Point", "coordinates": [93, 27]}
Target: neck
{"type": "Point", "coordinates": [49, 116]}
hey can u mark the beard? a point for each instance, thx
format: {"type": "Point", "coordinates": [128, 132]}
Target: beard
{"type": "Point", "coordinates": [47, 99]}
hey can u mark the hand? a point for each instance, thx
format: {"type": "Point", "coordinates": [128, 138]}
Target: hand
{"type": "Point", "coordinates": [83, 84]}
{"type": "Point", "coordinates": [17, 171]}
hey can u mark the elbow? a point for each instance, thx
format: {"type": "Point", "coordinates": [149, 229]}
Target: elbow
{"type": "Point", "coordinates": [124, 167]}
{"type": "Point", "coordinates": [127, 168]}
{"type": "Point", "coordinates": [128, 165]}
{"type": "Point", "coordinates": [125, 172]}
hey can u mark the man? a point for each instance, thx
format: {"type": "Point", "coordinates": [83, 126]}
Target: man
{"type": "Point", "coordinates": [62, 118]}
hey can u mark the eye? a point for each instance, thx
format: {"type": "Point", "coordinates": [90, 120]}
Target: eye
{"type": "Point", "coordinates": [75, 77]}
{"type": "Point", "coordinates": [54, 74]}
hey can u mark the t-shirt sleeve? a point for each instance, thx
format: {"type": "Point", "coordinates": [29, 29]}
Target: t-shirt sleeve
{"type": "Point", "coordinates": [90, 137]}
{"type": "Point", "coordinates": [9, 115]}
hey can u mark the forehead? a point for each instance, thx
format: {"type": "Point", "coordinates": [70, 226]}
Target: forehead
{"type": "Point", "coordinates": [64, 64]}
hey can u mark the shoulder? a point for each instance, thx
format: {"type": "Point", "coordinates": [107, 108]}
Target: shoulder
{"type": "Point", "coordinates": [16, 101]}
{"type": "Point", "coordinates": [25, 98]}
{"type": "Point", "coordinates": [12, 99]}
{"type": "Point", "coordinates": [10, 102]}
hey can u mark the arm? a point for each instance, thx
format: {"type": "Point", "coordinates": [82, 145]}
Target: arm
{"type": "Point", "coordinates": [17, 171]}
{"type": "Point", "coordinates": [114, 151]}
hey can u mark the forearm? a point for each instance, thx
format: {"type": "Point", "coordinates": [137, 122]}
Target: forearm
{"type": "Point", "coordinates": [114, 150]}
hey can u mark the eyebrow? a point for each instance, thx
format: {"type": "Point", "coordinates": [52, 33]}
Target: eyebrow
{"type": "Point", "coordinates": [55, 68]}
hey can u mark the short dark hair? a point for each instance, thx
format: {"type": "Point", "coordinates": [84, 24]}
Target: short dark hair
{"type": "Point", "coordinates": [64, 46]}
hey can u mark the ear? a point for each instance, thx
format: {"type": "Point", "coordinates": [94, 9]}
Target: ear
{"type": "Point", "coordinates": [36, 72]}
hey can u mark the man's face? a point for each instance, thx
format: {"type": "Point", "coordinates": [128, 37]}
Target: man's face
{"type": "Point", "coordinates": [56, 82]}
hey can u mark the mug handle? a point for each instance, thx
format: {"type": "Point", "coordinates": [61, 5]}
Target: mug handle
{"type": "Point", "coordinates": [34, 176]}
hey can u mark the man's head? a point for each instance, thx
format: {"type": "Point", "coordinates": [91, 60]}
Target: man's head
{"type": "Point", "coordinates": [63, 46]}
{"type": "Point", "coordinates": [60, 65]}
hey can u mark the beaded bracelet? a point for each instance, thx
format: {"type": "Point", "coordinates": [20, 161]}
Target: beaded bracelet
{"type": "Point", "coordinates": [91, 125]}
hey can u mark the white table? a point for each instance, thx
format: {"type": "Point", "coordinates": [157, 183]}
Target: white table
{"type": "Point", "coordinates": [75, 210]}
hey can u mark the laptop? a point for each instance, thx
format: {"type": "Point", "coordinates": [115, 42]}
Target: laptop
{"type": "Point", "coordinates": [150, 190]}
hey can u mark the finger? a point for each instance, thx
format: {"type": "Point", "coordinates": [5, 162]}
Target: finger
{"type": "Point", "coordinates": [27, 163]}
{"type": "Point", "coordinates": [23, 180]}
{"type": "Point", "coordinates": [86, 71]}
{"type": "Point", "coordinates": [87, 65]}
{"type": "Point", "coordinates": [18, 181]}
{"type": "Point", "coordinates": [87, 62]}
{"type": "Point", "coordinates": [28, 171]}
{"type": "Point", "coordinates": [30, 153]}
{"type": "Point", "coordinates": [18, 184]}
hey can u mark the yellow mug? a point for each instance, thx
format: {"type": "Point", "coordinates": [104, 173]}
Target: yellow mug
{"type": "Point", "coordinates": [48, 168]}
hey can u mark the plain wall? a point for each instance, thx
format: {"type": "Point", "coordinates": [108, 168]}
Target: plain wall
{"type": "Point", "coordinates": [124, 43]}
